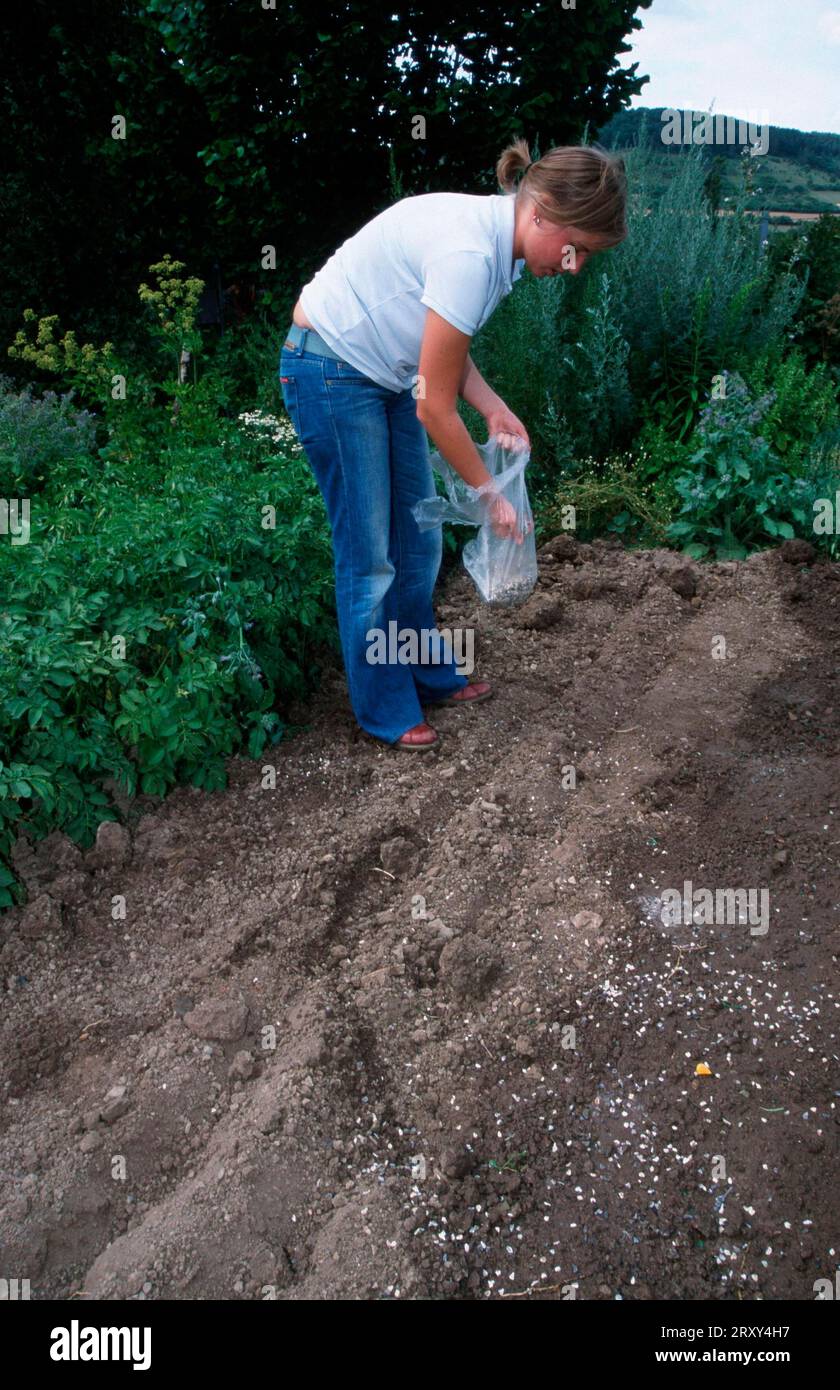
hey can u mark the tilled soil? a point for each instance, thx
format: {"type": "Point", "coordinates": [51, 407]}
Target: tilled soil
{"type": "Point", "coordinates": [411, 1025]}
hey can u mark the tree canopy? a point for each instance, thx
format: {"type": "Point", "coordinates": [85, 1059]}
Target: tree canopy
{"type": "Point", "coordinates": [282, 124]}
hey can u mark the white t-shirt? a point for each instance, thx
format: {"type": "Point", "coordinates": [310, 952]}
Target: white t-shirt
{"type": "Point", "coordinates": [451, 252]}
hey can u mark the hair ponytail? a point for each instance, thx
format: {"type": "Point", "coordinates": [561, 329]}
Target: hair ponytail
{"type": "Point", "coordinates": [582, 186]}
{"type": "Point", "coordinates": [514, 159]}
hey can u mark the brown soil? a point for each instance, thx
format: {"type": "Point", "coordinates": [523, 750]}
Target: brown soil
{"type": "Point", "coordinates": [317, 1091]}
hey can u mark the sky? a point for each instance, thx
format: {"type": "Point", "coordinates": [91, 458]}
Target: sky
{"type": "Point", "coordinates": [761, 60]}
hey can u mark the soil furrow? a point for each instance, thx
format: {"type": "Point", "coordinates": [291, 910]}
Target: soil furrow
{"type": "Point", "coordinates": [370, 1024]}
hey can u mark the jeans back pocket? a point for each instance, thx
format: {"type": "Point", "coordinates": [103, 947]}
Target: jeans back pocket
{"type": "Point", "coordinates": [336, 372]}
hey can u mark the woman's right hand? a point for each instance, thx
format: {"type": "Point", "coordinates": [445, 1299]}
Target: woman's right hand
{"type": "Point", "coordinates": [503, 518]}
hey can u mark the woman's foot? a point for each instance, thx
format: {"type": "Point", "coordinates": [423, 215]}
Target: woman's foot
{"type": "Point", "coordinates": [421, 736]}
{"type": "Point", "coordinates": [468, 694]}
{"type": "Point", "coordinates": [477, 690]}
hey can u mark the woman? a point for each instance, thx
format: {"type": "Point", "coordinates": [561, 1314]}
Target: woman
{"type": "Point", "coordinates": [376, 357]}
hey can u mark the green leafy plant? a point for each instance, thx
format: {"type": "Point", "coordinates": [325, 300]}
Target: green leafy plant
{"type": "Point", "coordinates": [657, 454]}
{"type": "Point", "coordinates": [735, 496]}
{"type": "Point", "coordinates": [156, 625]}
{"type": "Point", "coordinates": [804, 414]}
{"type": "Point", "coordinates": [597, 364]}
{"type": "Point", "coordinates": [99, 373]}
{"type": "Point", "coordinates": [174, 303]}
{"type": "Point", "coordinates": [609, 495]}
{"type": "Point", "coordinates": [37, 434]}
{"type": "Point", "coordinates": [685, 367]}
{"type": "Point", "coordinates": [86, 367]}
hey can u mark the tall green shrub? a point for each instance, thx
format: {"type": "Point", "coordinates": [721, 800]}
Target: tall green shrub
{"type": "Point", "coordinates": [804, 418]}
{"type": "Point", "coordinates": [694, 289]}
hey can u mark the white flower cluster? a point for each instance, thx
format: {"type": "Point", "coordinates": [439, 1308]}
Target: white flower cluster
{"type": "Point", "coordinates": [280, 431]}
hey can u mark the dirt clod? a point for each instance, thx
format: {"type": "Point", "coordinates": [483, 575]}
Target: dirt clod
{"type": "Point", "coordinates": [541, 611]}
{"type": "Point", "coordinates": [798, 552]}
{"type": "Point", "coordinates": [683, 580]}
{"type": "Point", "coordinates": [397, 855]}
{"type": "Point", "coordinates": [468, 966]}
{"type": "Point", "coordinates": [218, 1020]}
{"type": "Point", "coordinates": [112, 848]}
{"type": "Point", "coordinates": [40, 916]}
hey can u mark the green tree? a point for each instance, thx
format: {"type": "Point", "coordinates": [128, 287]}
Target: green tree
{"type": "Point", "coordinates": [83, 213]}
{"type": "Point", "coordinates": [249, 126]}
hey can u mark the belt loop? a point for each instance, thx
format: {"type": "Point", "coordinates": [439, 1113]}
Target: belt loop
{"type": "Point", "coordinates": [294, 336]}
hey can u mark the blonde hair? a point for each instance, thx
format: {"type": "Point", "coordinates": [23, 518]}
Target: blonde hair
{"type": "Point", "coordinates": [572, 185]}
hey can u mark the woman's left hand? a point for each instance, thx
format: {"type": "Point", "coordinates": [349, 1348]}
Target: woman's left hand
{"type": "Point", "coordinates": [508, 428]}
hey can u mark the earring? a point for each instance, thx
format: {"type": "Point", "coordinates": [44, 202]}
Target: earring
{"type": "Point", "coordinates": [537, 220]}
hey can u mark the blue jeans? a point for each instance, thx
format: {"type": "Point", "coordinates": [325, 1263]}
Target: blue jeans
{"type": "Point", "coordinates": [370, 457]}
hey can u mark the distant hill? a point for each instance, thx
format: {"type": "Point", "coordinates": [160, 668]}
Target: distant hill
{"type": "Point", "coordinates": [799, 174]}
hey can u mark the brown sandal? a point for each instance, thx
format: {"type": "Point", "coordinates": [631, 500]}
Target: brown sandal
{"type": "Point", "coordinates": [413, 746]}
{"type": "Point", "coordinates": [462, 698]}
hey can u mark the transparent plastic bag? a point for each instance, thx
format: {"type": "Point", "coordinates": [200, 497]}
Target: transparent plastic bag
{"type": "Point", "coordinates": [503, 570]}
